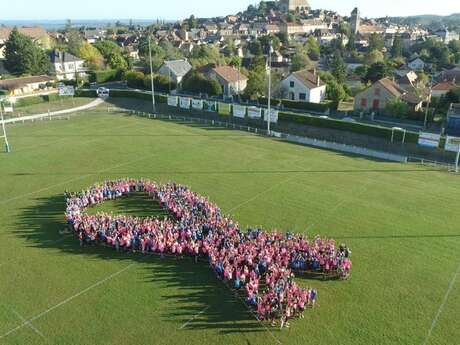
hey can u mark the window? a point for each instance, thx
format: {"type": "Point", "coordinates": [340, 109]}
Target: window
{"type": "Point", "coordinates": [363, 103]}
{"type": "Point", "coordinates": [302, 96]}
{"type": "Point", "coordinates": [376, 104]}
{"type": "Point", "coordinates": [377, 91]}
{"type": "Point", "coordinates": [291, 84]}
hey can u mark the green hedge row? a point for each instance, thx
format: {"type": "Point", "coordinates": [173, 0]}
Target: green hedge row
{"type": "Point", "coordinates": [359, 128]}
{"type": "Point", "coordinates": [85, 93]}
{"type": "Point", "coordinates": [137, 95]}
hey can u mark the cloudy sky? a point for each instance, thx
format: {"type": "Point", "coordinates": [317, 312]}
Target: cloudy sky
{"type": "Point", "coordinates": [177, 9]}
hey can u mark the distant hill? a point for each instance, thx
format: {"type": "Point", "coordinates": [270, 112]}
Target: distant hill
{"type": "Point", "coordinates": [431, 21]}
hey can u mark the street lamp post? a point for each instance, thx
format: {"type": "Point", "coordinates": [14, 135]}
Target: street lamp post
{"type": "Point", "coordinates": [151, 77]}
{"type": "Point", "coordinates": [269, 88]}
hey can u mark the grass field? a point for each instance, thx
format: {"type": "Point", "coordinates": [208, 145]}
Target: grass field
{"type": "Point", "coordinates": [401, 222]}
{"type": "Point", "coordinates": [64, 103]}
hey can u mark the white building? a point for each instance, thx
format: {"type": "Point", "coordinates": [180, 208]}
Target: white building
{"type": "Point", "coordinates": [304, 86]}
{"type": "Point", "coordinates": [66, 66]}
{"type": "Point", "coordinates": [175, 69]}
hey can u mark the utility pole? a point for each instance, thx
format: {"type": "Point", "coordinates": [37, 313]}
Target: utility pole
{"type": "Point", "coordinates": [151, 76]}
{"type": "Point", "coordinates": [269, 117]}
{"type": "Point", "coordinates": [425, 123]}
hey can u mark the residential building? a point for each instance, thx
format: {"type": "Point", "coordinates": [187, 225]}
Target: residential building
{"type": "Point", "coordinates": [65, 66]}
{"type": "Point", "coordinates": [231, 79]}
{"type": "Point", "coordinates": [447, 36]}
{"type": "Point", "coordinates": [442, 88]}
{"type": "Point", "coordinates": [417, 64]}
{"type": "Point", "coordinates": [37, 34]}
{"type": "Point", "coordinates": [175, 70]}
{"type": "Point", "coordinates": [26, 85]}
{"type": "Point", "coordinates": [303, 86]}
{"type": "Point", "coordinates": [378, 95]}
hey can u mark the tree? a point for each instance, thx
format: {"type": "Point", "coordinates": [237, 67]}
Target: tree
{"type": "Point", "coordinates": [376, 42]}
{"type": "Point", "coordinates": [23, 56]}
{"type": "Point", "coordinates": [300, 60]}
{"type": "Point", "coordinates": [376, 72]}
{"type": "Point", "coordinates": [374, 56]}
{"type": "Point", "coordinates": [92, 56]}
{"type": "Point", "coordinates": [339, 69]}
{"type": "Point", "coordinates": [255, 47]}
{"type": "Point", "coordinates": [117, 61]}
{"type": "Point", "coordinates": [74, 42]}
{"type": "Point", "coordinates": [396, 108]}
{"type": "Point", "coordinates": [396, 50]}
{"type": "Point", "coordinates": [313, 48]}
{"type": "Point", "coordinates": [257, 81]}
{"type": "Point", "coordinates": [107, 48]}
{"type": "Point", "coordinates": [192, 22]}
{"type": "Point", "coordinates": [335, 91]}
{"type": "Point", "coordinates": [351, 45]}
{"type": "Point", "coordinates": [195, 82]}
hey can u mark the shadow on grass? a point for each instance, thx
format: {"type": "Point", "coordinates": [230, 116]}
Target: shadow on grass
{"type": "Point", "coordinates": [193, 286]}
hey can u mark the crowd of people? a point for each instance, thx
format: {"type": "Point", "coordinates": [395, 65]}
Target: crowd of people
{"type": "Point", "coordinates": [257, 262]}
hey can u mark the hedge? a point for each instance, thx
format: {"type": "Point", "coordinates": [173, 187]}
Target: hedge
{"type": "Point", "coordinates": [359, 128]}
{"type": "Point", "coordinates": [85, 93]}
{"type": "Point", "coordinates": [138, 95]}
{"type": "Point", "coordinates": [104, 76]}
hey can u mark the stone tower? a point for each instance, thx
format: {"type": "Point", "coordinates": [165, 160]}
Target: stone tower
{"type": "Point", "coordinates": [355, 21]}
{"type": "Point", "coordinates": [294, 5]}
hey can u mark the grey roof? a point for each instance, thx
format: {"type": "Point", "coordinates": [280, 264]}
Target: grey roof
{"type": "Point", "coordinates": [61, 57]}
{"type": "Point", "coordinates": [179, 67]}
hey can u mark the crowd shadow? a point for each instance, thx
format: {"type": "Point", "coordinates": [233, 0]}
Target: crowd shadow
{"type": "Point", "coordinates": [190, 287]}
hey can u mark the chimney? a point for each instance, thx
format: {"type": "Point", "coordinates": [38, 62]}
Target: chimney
{"type": "Point", "coordinates": [318, 81]}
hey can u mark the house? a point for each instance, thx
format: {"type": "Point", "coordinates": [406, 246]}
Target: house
{"type": "Point", "coordinates": [447, 36]}
{"type": "Point", "coordinates": [26, 85]}
{"type": "Point", "coordinates": [417, 64]}
{"type": "Point", "coordinates": [303, 86]}
{"type": "Point", "coordinates": [175, 69]}
{"type": "Point", "coordinates": [452, 75]}
{"type": "Point", "coordinates": [378, 95]}
{"type": "Point", "coordinates": [409, 80]}
{"type": "Point", "coordinates": [65, 66]}
{"type": "Point", "coordinates": [442, 88]}
{"type": "Point", "coordinates": [37, 34]}
{"type": "Point", "coordinates": [231, 80]}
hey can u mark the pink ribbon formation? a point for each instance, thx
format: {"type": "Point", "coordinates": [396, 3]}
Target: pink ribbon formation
{"type": "Point", "coordinates": [260, 263]}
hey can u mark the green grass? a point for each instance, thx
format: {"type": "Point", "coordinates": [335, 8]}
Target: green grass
{"type": "Point", "coordinates": [65, 103]}
{"type": "Point", "coordinates": [401, 222]}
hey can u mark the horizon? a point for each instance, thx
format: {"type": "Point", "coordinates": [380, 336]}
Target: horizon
{"type": "Point", "coordinates": [54, 13]}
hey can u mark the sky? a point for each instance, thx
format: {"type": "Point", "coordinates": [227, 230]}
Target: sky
{"type": "Point", "coordinates": [179, 9]}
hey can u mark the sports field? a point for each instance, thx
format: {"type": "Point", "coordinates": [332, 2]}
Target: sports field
{"type": "Point", "coordinates": [401, 222]}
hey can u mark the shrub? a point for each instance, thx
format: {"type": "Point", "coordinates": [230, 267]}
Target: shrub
{"type": "Point", "coordinates": [104, 76]}
{"type": "Point", "coordinates": [135, 79]}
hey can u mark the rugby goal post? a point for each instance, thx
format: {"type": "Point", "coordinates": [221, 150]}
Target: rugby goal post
{"type": "Point", "coordinates": [3, 132]}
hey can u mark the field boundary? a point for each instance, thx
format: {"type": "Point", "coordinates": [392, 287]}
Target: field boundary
{"type": "Point", "coordinates": [350, 149]}
{"type": "Point", "coordinates": [49, 115]}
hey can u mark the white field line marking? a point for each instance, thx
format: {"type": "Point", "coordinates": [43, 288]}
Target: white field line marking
{"type": "Point", "coordinates": [38, 316]}
{"type": "Point", "coordinates": [28, 323]}
{"type": "Point", "coordinates": [72, 180]}
{"type": "Point", "coordinates": [336, 207]}
{"type": "Point", "coordinates": [193, 318]}
{"type": "Point", "coordinates": [269, 189]}
{"type": "Point", "coordinates": [442, 306]}
{"type": "Point", "coordinates": [66, 138]}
